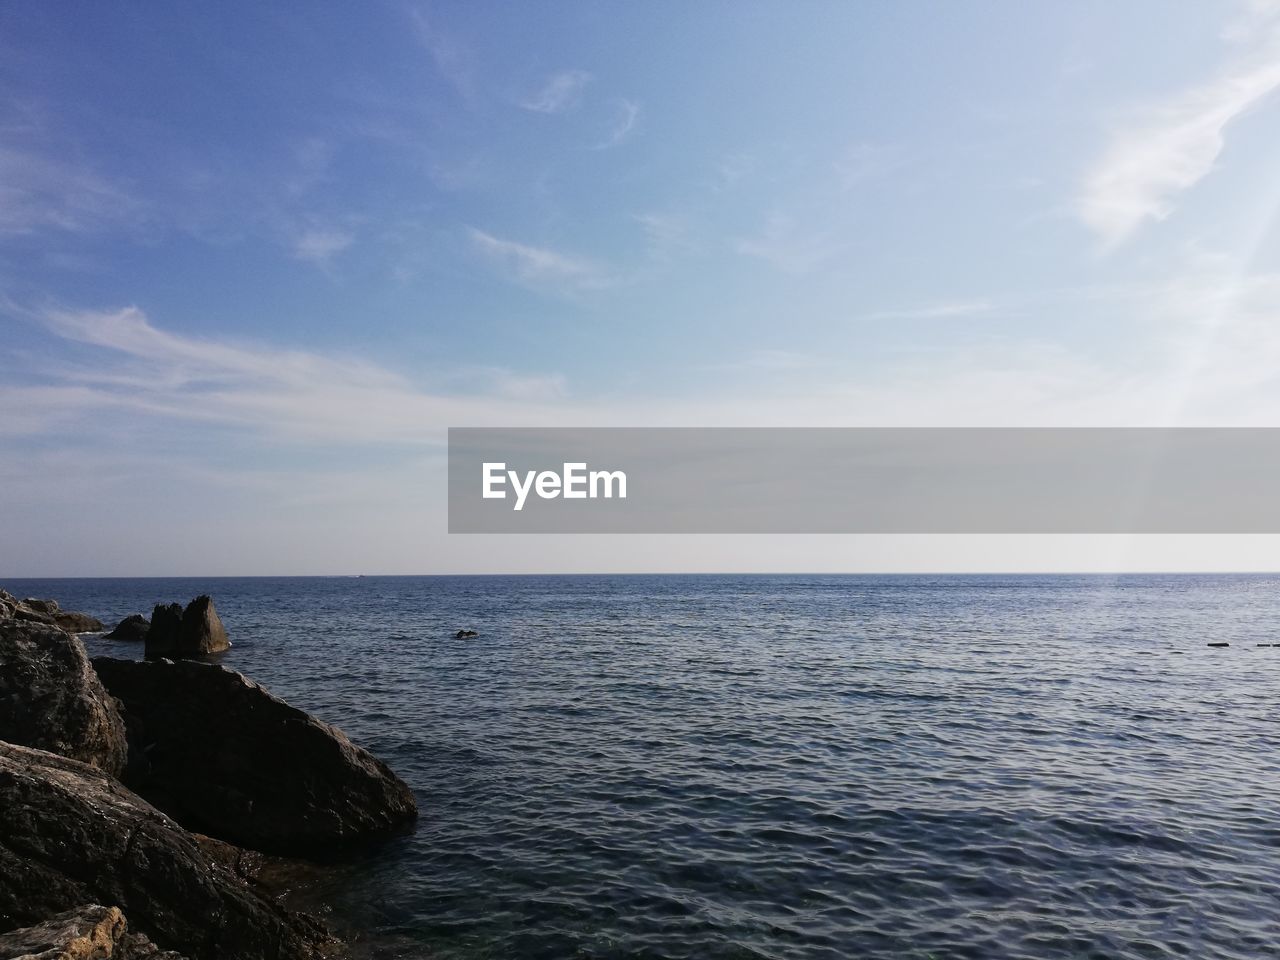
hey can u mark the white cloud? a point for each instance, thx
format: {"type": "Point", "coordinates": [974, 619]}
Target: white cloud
{"type": "Point", "coordinates": [1172, 148]}
{"type": "Point", "coordinates": [540, 266]}
{"type": "Point", "coordinates": [934, 311]}
{"type": "Point", "coordinates": [562, 92]}
{"type": "Point", "coordinates": [628, 113]}
{"type": "Point", "coordinates": [790, 245]}
{"type": "Point", "coordinates": [319, 246]}
{"type": "Point", "coordinates": [285, 394]}
{"type": "Point", "coordinates": [39, 192]}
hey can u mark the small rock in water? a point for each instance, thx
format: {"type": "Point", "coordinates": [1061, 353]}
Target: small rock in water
{"type": "Point", "coordinates": [461, 634]}
{"type": "Point", "coordinates": [193, 632]}
{"type": "Point", "coordinates": [132, 627]}
{"type": "Point", "coordinates": [1217, 643]}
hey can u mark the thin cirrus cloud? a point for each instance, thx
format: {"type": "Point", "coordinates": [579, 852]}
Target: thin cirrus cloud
{"type": "Point", "coordinates": [540, 266]}
{"type": "Point", "coordinates": [628, 114]}
{"type": "Point", "coordinates": [1148, 165]}
{"type": "Point", "coordinates": [295, 395]}
{"type": "Point", "coordinates": [319, 246]}
{"type": "Point", "coordinates": [561, 93]}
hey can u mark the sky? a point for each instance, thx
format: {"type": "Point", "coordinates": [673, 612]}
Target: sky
{"type": "Point", "coordinates": [256, 258]}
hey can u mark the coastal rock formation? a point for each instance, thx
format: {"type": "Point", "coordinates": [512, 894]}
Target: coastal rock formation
{"type": "Point", "coordinates": [77, 622]}
{"type": "Point", "coordinates": [227, 758]}
{"type": "Point", "coordinates": [90, 932]}
{"type": "Point", "coordinates": [133, 628]}
{"type": "Point", "coordinates": [71, 835]}
{"type": "Point", "coordinates": [35, 610]}
{"type": "Point", "coordinates": [192, 632]}
{"type": "Point", "coordinates": [51, 698]}
{"type": "Point", "coordinates": [464, 634]}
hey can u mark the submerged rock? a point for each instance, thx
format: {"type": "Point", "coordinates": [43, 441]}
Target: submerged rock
{"type": "Point", "coordinates": [133, 628]}
{"type": "Point", "coordinates": [227, 758]}
{"type": "Point", "coordinates": [51, 698]}
{"type": "Point", "coordinates": [463, 634]}
{"type": "Point", "coordinates": [192, 632]}
{"type": "Point", "coordinates": [71, 835]}
{"type": "Point", "coordinates": [90, 932]}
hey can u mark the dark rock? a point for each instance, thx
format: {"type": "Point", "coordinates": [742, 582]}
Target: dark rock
{"type": "Point", "coordinates": [193, 632]}
{"type": "Point", "coordinates": [41, 606]}
{"type": "Point", "coordinates": [90, 932]}
{"type": "Point", "coordinates": [23, 612]}
{"type": "Point", "coordinates": [229, 759]}
{"type": "Point", "coordinates": [1219, 643]}
{"type": "Point", "coordinates": [462, 634]}
{"type": "Point", "coordinates": [202, 630]}
{"type": "Point", "coordinates": [132, 627]}
{"type": "Point", "coordinates": [72, 835]}
{"type": "Point", "coordinates": [165, 630]}
{"type": "Point", "coordinates": [77, 622]}
{"type": "Point", "coordinates": [51, 698]}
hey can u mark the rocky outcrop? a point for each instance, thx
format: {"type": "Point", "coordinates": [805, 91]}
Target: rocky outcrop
{"type": "Point", "coordinates": [35, 610]}
{"type": "Point", "coordinates": [227, 758]}
{"type": "Point", "coordinates": [192, 632]}
{"type": "Point", "coordinates": [71, 835]}
{"type": "Point", "coordinates": [51, 698]}
{"type": "Point", "coordinates": [90, 932]}
{"type": "Point", "coordinates": [78, 622]}
{"type": "Point", "coordinates": [132, 628]}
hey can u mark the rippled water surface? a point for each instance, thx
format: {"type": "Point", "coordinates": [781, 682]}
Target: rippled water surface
{"type": "Point", "coordinates": [799, 766]}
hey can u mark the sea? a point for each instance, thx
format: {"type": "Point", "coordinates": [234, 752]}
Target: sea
{"type": "Point", "coordinates": [808, 767]}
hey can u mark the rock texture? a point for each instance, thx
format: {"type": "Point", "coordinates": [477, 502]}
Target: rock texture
{"type": "Point", "coordinates": [192, 632]}
{"type": "Point", "coordinates": [133, 628]}
{"type": "Point", "coordinates": [229, 759]}
{"type": "Point", "coordinates": [51, 698]}
{"type": "Point", "coordinates": [90, 932]}
{"type": "Point", "coordinates": [35, 610]}
{"type": "Point", "coordinates": [71, 835]}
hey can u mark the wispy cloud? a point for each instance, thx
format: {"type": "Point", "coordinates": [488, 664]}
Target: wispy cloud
{"type": "Point", "coordinates": [933, 311]}
{"type": "Point", "coordinates": [1173, 146]}
{"type": "Point", "coordinates": [790, 245]}
{"type": "Point", "coordinates": [562, 92]}
{"type": "Point", "coordinates": [628, 113]}
{"type": "Point", "coordinates": [539, 266]}
{"type": "Point", "coordinates": [39, 191]}
{"type": "Point", "coordinates": [452, 59]}
{"type": "Point", "coordinates": [296, 395]}
{"type": "Point", "coordinates": [319, 246]}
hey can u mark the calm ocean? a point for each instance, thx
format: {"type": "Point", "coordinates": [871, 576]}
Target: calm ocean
{"type": "Point", "coordinates": [790, 766]}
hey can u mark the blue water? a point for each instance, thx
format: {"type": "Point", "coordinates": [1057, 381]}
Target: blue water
{"type": "Point", "coordinates": [792, 766]}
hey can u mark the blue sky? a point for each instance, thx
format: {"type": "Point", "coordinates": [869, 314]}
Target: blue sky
{"type": "Point", "coordinates": [254, 261]}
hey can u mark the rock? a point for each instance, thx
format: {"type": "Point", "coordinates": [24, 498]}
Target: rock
{"type": "Point", "coordinates": [1219, 643]}
{"type": "Point", "coordinates": [193, 632]}
{"type": "Point", "coordinates": [34, 610]}
{"type": "Point", "coordinates": [51, 698]}
{"type": "Point", "coordinates": [90, 932]}
{"type": "Point", "coordinates": [132, 627]}
{"type": "Point", "coordinates": [77, 622]}
{"type": "Point", "coordinates": [72, 835]}
{"type": "Point", "coordinates": [23, 612]}
{"type": "Point", "coordinates": [202, 630]}
{"type": "Point", "coordinates": [229, 759]}
{"type": "Point", "coordinates": [463, 634]}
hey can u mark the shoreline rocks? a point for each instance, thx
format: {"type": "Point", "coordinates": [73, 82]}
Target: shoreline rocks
{"type": "Point", "coordinates": [89, 932]}
{"type": "Point", "coordinates": [132, 628]}
{"type": "Point", "coordinates": [35, 610]}
{"type": "Point", "coordinates": [193, 632]}
{"type": "Point", "coordinates": [52, 699]}
{"type": "Point", "coordinates": [73, 835]}
{"type": "Point", "coordinates": [227, 758]}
